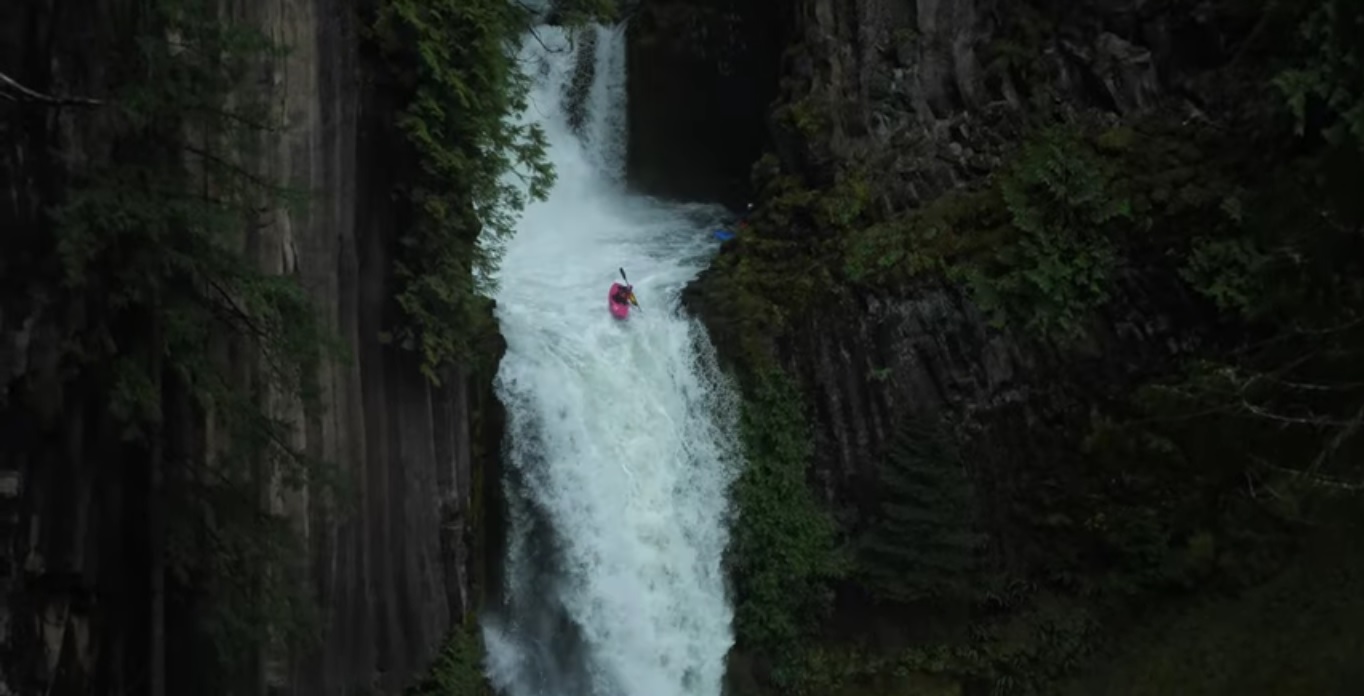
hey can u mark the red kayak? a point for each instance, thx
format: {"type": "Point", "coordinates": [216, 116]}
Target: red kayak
{"type": "Point", "coordinates": [619, 310]}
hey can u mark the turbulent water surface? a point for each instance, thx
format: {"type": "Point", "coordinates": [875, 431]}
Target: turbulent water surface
{"type": "Point", "coordinates": [620, 437]}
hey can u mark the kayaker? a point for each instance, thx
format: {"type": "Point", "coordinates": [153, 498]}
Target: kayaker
{"type": "Point", "coordinates": [625, 294]}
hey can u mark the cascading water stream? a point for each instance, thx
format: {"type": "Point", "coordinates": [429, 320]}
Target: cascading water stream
{"type": "Point", "coordinates": [621, 444]}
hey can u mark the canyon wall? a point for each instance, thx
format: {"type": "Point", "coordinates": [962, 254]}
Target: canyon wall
{"type": "Point", "coordinates": [394, 557]}
{"type": "Point", "coordinates": [985, 216]}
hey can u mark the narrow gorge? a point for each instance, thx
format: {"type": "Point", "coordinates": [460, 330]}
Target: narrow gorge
{"type": "Point", "coordinates": [1031, 370]}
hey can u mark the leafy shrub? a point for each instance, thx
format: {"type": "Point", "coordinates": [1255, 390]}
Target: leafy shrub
{"type": "Point", "coordinates": [458, 669]}
{"type": "Point", "coordinates": [782, 555]}
{"type": "Point", "coordinates": [1060, 196]}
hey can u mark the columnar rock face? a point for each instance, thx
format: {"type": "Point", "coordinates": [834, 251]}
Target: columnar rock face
{"type": "Point", "coordinates": [391, 564]}
{"type": "Point", "coordinates": [878, 359]}
{"type": "Point", "coordinates": [922, 105]}
{"type": "Point", "coordinates": [927, 95]}
{"type": "Point", "coordinates": [918, 99]}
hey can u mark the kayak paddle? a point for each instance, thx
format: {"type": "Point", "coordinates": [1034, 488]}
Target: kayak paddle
{"type": "Point", "coordinates": [623, 277]}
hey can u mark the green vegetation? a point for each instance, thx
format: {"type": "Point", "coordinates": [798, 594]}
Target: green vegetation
{"type": "Point", "coordinates": [1272, 639]}
{"type": "Point", "coordinates": [921, 544]}
{"type": "Point", "coordinates": [1061, 266]}
{"type": "Point", "coordinates": [1331, 79]}
{"type": "Point", "coordinates": [458, 670]}
{"type": "Point", "coordinates": [455, 67]}
{"type": "Point", "coordinates": [455, 63]}
{"type": "Point", "coordinates": [1180, 499]}
{"type": "Point", "coordinates": [782, 556]}
{"type": "Point", "coordinates": [152, 244]}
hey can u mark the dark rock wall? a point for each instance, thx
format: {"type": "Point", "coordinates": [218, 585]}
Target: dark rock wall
{"type": "Point", "coordinates": [875, 360]}
{"type": "Point", "coordinates": [921, 98]}
{"type": "Point", "coordinates": [396, 565]}
{"type": "Point", "coordinates": [702, 78]}
{"type": "Point", "coordinates": [929, 95]}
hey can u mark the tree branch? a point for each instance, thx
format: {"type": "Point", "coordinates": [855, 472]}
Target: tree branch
{"type": "Point", "coordinates": [1339, 439]}
{"type": "Point", "coordinates": [33, 95]}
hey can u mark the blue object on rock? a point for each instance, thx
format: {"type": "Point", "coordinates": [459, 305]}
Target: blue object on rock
{"type": "Point", "coordinates": [723, 235]}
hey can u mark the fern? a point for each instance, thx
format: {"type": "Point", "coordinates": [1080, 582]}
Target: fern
{"type": "Point", "coordinates": [1333, 74]}
{"type": "Point", "coordinates": [1060, 268]}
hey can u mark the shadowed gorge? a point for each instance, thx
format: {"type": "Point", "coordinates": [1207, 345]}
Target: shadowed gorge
{"type": "Point", "coordinates": [702, 78]}
{"type": "Point", "coordinates": [1033, 369]}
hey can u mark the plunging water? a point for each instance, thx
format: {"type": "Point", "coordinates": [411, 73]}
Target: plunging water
{"type": "Point", "coordinates": [620, 433]}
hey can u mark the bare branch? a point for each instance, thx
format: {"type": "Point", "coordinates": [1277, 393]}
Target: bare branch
{"type": "Point", "coordinates": [1291, 420]}
{"type": "Point", "coordinates": [1319, 480]}
{"type": "Point", "coordinates": [536, 35]}
{"type": "Point", "coordinates": [32, 95]}
{"type": "Point", "coordinates": [1339, 439]}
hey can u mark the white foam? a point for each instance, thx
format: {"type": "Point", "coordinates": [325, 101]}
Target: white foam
{"type": "Point", "coordinates": [621, 434]}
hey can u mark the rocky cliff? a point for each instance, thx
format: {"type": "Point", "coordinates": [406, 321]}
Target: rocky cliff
{"type": "Point", "coordinates": [1011, 224]}
{"type": "Point", "coordinates": [387, 550]}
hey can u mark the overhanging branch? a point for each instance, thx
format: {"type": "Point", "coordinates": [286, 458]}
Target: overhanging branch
{"type": "Point", "coordinates": [9, 87]}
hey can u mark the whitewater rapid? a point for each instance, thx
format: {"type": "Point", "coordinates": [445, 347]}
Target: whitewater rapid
{"type": "Point", "coordinates": [621, 435]}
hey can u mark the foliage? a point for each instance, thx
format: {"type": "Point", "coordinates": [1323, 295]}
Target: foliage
{"type": "Point", "coordinates": [921, 544]}
{"type": "Point", "coordinates": [1061, 266]}
{"type": "Point", "coordinates": [456, 62]}
{"type": "Point", "coordinates": [1226, 271]}
{"type": "Point", "coordinates": [954, 229]}
{"type": "Point", "coordinates": [242, 569]}
{"type": "Point", "coordinates": [1015, 50]}
{"type": "Point", "coordinates": [1039, 244]}
{"type": "Point", "coordinates": [806, 116]}
{"type": "Point", "coordinates": [1243, 247]}
{"type": "Point", "coordinates": [155, 242]}
{"type": "Point", "coordinates": [1332, 80]}
{"type": "Point", "coordinates": [782, 556]}
{"type": "Point", "coordinates": [458, 669]}
{"type": "Point", "coordinates": [1297, 633]}
{"type": "Point", "coordinates": [752, 297]}
{"type": "Point", "coordinates": [463, 89]}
